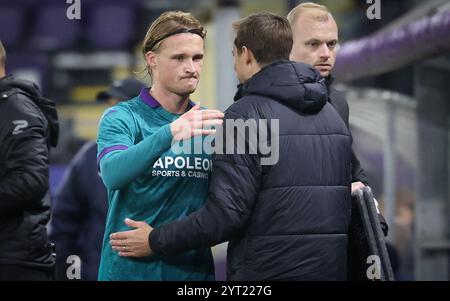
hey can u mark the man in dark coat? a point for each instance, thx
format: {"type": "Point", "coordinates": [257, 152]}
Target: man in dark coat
{"type": "Point", "coordinates": [286, 215]}
{"type": "Point", "coordinates": [28, 128]}
{"type": "Point", "coordinates": [315, 36]}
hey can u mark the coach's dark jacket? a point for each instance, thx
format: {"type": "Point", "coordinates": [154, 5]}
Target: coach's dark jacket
{"type": "Point", "coordinates": [337, 99]}
{"type": "Point", "coordinates": [28, 127]}
{"type": "Point", "coordinates": [286, 221]}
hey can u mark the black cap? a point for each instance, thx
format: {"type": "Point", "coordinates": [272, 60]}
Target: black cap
{"type": "Point", "coordinates": [122, 89]}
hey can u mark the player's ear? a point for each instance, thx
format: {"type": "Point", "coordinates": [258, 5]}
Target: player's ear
{"type": "Point", "coordinates": [152, 60]}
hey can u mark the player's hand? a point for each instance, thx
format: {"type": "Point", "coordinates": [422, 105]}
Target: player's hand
{"type": "Point", "coordinates": [195, 122]}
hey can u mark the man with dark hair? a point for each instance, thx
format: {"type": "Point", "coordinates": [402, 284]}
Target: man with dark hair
{"type": "Point", "coordinates": [28, 128]}
{"type": "Point", "coordinates": [287, 220]}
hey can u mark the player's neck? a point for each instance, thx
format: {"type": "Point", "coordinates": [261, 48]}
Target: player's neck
{"type": "Point", "coordinates": [171, 102]}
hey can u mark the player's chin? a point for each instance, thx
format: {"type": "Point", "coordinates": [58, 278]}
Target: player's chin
{"type": "Point", "coordinates": [189, 89]}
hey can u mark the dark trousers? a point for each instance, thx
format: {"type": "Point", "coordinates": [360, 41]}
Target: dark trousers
{"type": "Point", "coordinates": [18, 273]}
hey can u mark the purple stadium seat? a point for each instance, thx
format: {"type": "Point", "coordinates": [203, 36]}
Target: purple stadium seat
{"type": "Point", "coordinates": [111, 25]}
{"type": "Point", "coordinates": [25, 4]}
{"type": "Point", "coordinates": [53, 30]}
{"type": "Point", "coordinates": [11, 25]}
{"type": "Point", "coordinates": [29, 65]}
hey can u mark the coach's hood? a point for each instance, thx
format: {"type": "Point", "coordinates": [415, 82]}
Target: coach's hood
{"type": "Point", "coordinates": [296, 85]}
{"type": "Point", "coordinates": [10, 86]}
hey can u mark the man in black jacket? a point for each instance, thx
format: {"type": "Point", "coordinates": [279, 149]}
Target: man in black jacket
{"type": "Point", "coordinates": [315, 36]}
{"type": "Point", "coordinates": [28, 127]}
{"type": "Point", "coordinates": [285, 221]}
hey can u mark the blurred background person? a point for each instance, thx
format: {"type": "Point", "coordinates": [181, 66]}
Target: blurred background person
{"type": "Point", "coordinates": [120, 90]}
{"type": "Point", "coordinates": [81, 202]}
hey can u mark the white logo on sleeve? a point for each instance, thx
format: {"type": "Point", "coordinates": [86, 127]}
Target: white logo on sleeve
{"type": "Point", "coordinates": [20, 125]}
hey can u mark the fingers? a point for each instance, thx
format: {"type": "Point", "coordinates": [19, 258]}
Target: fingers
{"type": "Point", "coordinates": [118, 245]}
{"type": "Point", "coordinates": [356, 186]}
{"type": "Point", "coordinates": [203, 115]}
{"type": "Point", "coordinates": [210, 111]}
{"type": "Point", "coordinates": [185, 124]}
{"type": "Point", "coordinates": [210, 114]}
{"type": "Point", "coordinates": [199, 132]}
{"type": "Point", "coordinates": [133, 253]}
{"type": "Point", "coordinates": [127, 254]}
{"type": "Point", "coordinates": [126, 251]}
{"type": "Point", "coordinates": [120, 235]}
{"type": "Point", "coordinates": [134, 224]}
{"type": "Point", "coordinates": [131, 223]}
{"type": "Point", "coordinates": [202, 128]}
{"type": "Point", "coordinates": [194, 123]}
{"type": "Point", "coordinates": [206, 123]}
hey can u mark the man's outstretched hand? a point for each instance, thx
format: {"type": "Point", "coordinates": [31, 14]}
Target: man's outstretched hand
{"type": "Point", "coordinates": [133, 243]}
